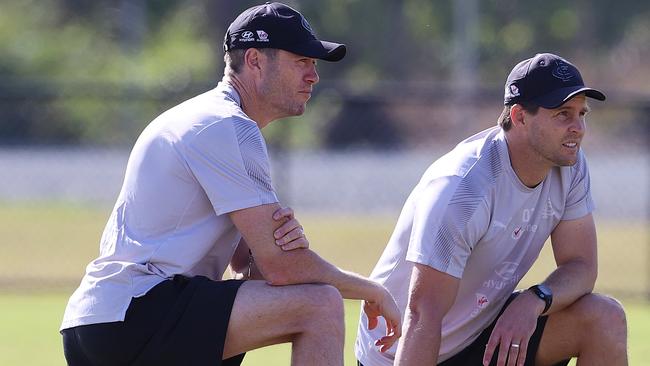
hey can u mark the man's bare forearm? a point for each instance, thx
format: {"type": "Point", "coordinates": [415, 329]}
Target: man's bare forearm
{"type": "Point", "coordinates": [570, 281]}
{"type": "Point", "coordinates": [420, 342]}
{"type": "Point", "coordinates": [575, 250]}
{"type": "Point", "coordinates": [305, 266]}
{"type": "Point", "coordinates": [296, 266]}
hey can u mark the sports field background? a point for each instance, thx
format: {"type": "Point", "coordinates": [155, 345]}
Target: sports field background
{"type": "Point", "coordinates": [79, 80]}
{"type": "Point", "coordinates": [46, 246]}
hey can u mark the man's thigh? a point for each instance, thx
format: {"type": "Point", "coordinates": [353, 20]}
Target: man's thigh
{"type": "Point", "coordinates": [565, 331]}
{"type": "Point", "coordinates": [472, 355]}
{"type": "Point", "coordinates": [263, 315]}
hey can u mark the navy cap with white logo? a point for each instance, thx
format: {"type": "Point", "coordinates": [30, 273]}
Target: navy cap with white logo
{"type": "Point", "coordinates": [546, 80]}
{"type": "Point", "coordinates": [275, 25]}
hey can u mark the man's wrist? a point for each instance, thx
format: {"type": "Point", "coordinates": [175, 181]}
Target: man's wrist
{"type": "Point", "coordinates": [543, 293]}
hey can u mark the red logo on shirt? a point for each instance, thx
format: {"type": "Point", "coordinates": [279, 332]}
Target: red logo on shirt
{"type": "Point", "coordinates": [481, 300]}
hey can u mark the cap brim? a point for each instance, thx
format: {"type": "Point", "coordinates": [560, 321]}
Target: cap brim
{"type": "Point", "coordinates": [560, 96]}
{"type": "Point", "coordinates": [323, 50]}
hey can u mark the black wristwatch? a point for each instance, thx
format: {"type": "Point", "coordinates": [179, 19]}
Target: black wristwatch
{"type": "Point", "coordinates": [544, 293]}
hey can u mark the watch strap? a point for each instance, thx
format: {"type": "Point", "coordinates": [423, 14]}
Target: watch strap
{"type": "Point", "coordinates": [545, 295]}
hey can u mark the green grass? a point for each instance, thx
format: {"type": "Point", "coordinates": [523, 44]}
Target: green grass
{"type": "Point", "coordinates": [50, 245]}
{"type": "Point", "coordinates": [45, 248]}
{"type": "Point", "coordinates": [29, 333]}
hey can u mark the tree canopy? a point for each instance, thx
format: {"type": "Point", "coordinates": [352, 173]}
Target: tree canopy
{"type": "Point", "coordinates": [76, 71]}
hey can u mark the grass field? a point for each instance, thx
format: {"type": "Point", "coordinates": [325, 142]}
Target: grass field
{"type": "Point", "coordinates": [44, 249]}
{"type": "Point", "coordinates": [29, 336]}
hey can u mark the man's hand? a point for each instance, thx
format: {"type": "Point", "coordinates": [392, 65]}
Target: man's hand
{"type": "Point", "coordinates": [290, 235]}
{"type": "Point", "coordinates": [513, 330]}
{"type": "Point", "coordinates": [387, 308]}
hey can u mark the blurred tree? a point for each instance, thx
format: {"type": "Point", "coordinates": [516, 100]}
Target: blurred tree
{"type": "Point", "coordinates": [77, 68]}
{"type": "Point", "coordinates": [74, 71]}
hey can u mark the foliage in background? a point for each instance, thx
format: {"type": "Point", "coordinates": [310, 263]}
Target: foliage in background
{"type": "Point", "coordinates": [75, 71]}
{"type": "Point", "coordinates": [96, 74]}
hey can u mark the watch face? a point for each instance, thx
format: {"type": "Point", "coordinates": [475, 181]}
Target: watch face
{"type": "Point", "coordinates": [544, 290]}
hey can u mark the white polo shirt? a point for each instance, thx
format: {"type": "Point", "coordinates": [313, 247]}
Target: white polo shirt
{"type": "Point", "coordinates": [190, 167]}
{"type": "Point", "coordinates": [472, 218]}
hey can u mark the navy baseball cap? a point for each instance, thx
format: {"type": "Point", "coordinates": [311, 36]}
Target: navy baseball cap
{"type": "Point", "coordinates": [546, 80]}
{"type": "Point", "coordinates": [275, 25]}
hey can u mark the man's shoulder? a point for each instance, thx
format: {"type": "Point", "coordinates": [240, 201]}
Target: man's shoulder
{"type": "Point", "coordinates": [476, 155]}
{"type": "Point", "coordinates": [209, 113]}
{"type": "Point", "coordinates": [214, 105]}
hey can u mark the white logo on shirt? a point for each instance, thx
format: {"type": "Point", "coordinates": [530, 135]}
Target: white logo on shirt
{"type": "Point", "coordinates": [499, 224]}
{"type": "Point", "coordinates": [507, 276]}
{"type": "Point", "coordinates": [548, 211]}
{"type": "Point", "coordinates": [507, 270]}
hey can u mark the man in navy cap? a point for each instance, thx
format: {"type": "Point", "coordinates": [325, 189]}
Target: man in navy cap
{"type": "Point", "coordinates": [197, 197]}
{"type": "Point", "coordinates": [475, 224]}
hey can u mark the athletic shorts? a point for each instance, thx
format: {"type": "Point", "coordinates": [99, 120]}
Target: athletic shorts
{"type": "Point", "coordinates": [472, 355]}
{"type": "Point", "coordinates": [179, 322]}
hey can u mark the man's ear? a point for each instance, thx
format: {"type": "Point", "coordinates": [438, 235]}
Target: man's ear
{"type": "Point", "coordinates": [252, 59]}
{"type": "Point", "coordinates": [517, 114]}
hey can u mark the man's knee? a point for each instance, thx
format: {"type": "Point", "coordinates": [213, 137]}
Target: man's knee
{"type": "Point", "coordinates": [601, 312]}
{"type": "Point", "coordinates": [323, 309]}
{"type": "Point", "coordinates": [328, 300]}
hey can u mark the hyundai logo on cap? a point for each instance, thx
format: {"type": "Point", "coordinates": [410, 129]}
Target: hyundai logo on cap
{"type": "Point", "coordinates": [546, 80]}
{"type": "Point", "coordinates": [275, 25]}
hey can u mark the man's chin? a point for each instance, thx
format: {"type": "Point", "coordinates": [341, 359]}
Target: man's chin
{"type": "Point", "coordinates": [566, 162]}
{"type": "Point", "coordinates": [299, 111]}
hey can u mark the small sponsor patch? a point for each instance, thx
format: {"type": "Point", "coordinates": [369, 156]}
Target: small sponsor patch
{"type": "Point", "coordinates": [481, 300]}
{"type": "Point", "coordinates": [514, 91]}
{"type": "Point", "coordinates": [262, 36]}
{"type": "Point", "coordinates": [246, 36]}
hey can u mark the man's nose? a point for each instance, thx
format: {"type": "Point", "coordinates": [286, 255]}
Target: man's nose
{"type": "Point", "coordinates": [312, 76]}
{"type": "Point", "coordinates": [578, 126]}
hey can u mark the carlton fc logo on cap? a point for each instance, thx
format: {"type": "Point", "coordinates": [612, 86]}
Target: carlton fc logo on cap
{"type": "Point", "coordinates": [306, 25]}
{"type": "Point", "coordinates": [563, 71]}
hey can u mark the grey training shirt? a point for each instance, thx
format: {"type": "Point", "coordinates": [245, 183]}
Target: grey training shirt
{"type": "Point", "coordinates": [472, 218]}
{"type": "Point", "coordinates": [190, 167]}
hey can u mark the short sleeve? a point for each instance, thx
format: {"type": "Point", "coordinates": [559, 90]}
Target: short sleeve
{"type": "Point", "coordinates": [442, 236]}
{"type": "Point", "coordinates": [230, 161]}
{"type": "Point", "coordinates": [579, 202]}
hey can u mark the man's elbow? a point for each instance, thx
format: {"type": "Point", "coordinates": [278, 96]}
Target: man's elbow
{"type": "Point", "coordinates": [279, 279]}
{"type": "Point", "coordinates": [290, 268]}
{"type": "Point", "coordinates": [419, 314]}
{"type": "Point", "coordinates": [591, 279]}
{"type": "Point", "coordinates": [277, 275]}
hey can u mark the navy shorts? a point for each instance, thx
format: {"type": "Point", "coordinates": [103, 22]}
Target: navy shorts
{"type": "Point", "coordinates": [472, 355]}
{"type": "Point", "coordinates": [179, 322]}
